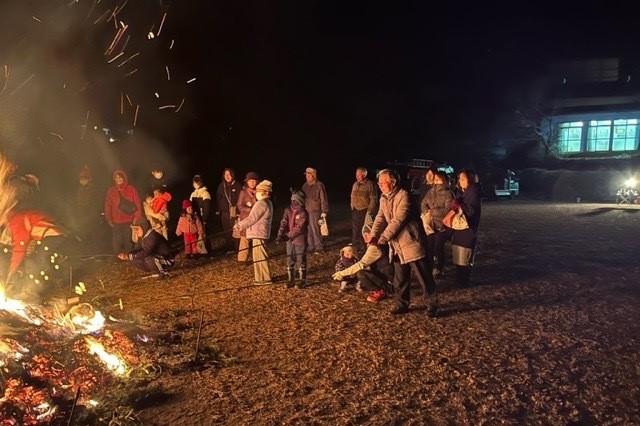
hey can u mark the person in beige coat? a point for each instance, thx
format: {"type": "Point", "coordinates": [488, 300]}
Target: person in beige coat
{"type": "Point", "coordinates": [395, 225]}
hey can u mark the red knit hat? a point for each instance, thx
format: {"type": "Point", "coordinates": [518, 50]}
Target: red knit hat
{"type": "Point", "coordinates": [185, 204]}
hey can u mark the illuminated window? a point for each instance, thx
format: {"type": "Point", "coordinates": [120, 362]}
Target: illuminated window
{"type": "Point", "coordinates": [599, 135]}
{"type": "Point", "coordinates": [625, 135]}
{"type": "Point", "coordinates": [570, 136]}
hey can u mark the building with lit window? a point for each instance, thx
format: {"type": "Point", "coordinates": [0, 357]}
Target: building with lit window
{"type": "Point", "coordinates": [595, 112]}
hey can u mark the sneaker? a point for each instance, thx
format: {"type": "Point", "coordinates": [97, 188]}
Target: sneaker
{"type": "Point", "coordinates": [359, 287]}
{"type": "Point", "coordinates": [343, 286]}
{"type": "Point", "coordinates": [376, 296]}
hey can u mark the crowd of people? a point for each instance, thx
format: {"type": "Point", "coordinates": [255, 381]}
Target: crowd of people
{"type": "Point", "coordinates": [390, 242]}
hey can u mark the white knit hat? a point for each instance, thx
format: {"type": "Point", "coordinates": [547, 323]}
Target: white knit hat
{"type": "Point", "coordinates": [311, 170]}
{"type": "Point", "coordinates": [265, 185]}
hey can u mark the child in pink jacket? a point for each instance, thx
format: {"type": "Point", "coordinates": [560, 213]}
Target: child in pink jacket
{"type": "Point", "coordinates": [190, 227]}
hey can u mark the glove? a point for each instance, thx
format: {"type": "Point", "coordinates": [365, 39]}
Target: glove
{"type": "Point", "coordinates": [455, 205]}
{"type": "Point", "coordinates": [338, 276]}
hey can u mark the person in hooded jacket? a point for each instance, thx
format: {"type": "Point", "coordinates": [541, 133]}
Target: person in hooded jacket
{"type": "Point", "coordinates": [227, 207]}
{"type": "Point", "coordinates": [293, 230]}
{"type": "Point", "coordinates": [121, 208]}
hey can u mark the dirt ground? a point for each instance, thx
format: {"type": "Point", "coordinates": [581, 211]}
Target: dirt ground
{"type": "Point", "coordinates": [548, 333]}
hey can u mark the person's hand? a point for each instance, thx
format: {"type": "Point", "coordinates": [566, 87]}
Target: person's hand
{"type": "Point", "coordinates": [110, 223]}
{"type": "Point", "coordinates": [455, 205]}
{"type": "Point", "coordinates": [338, 276]}
{"type": "Point", "coordinates": [123, 256]}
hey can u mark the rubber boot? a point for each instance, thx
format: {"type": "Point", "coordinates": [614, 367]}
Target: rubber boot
{"type": "Point", "coordinates": [463, 276]}
{"type": "Point", "coordinates": [302, 275]}
{"type": "Point", "coordinates": [291, 276]}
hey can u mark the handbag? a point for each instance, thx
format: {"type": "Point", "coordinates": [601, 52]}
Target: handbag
{"type": "Point", "coordinates": [324, 227]}
{"type": "Point", "coordinates": [126, 206]}
{"type": "Point", "coordinates": [456, 220]}
{"type": "Point", "coordinates": [427, 222]}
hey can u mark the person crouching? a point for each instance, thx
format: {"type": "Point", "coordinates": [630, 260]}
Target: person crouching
{"type": "Point", "coordinates": [151, 252]}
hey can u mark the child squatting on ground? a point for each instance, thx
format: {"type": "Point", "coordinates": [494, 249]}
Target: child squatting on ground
{"type": "Point", "coordinates": [346, 260]}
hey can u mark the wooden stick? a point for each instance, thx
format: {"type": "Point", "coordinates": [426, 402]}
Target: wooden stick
{"type": "Point", "coordinates": [71, 278]}
{"type": "Point", "coordinates": [73, 407]}
{"type": "Point", "coordinates": [195, 357]}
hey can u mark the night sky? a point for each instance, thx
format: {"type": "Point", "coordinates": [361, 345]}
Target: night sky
{"type": "Point", "coordinates": [278, 85]}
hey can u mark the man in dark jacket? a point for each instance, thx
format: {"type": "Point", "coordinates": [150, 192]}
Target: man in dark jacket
{"type": "Point", "coordinates": [152, 252]}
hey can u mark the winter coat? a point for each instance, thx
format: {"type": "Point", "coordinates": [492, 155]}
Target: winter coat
{"type": "Point", "coordinates": [294, 225]}
{"type": "Point", "coordinates": [258, 223]}
{"type": "Point", "coordinates": [160, 202]}
{"type": "Point", "coordinates": [201, 201]}
{"type": "Point", "coordinates": [470, 202]}
{"type": "Point", "coordinates": [227, 196]}
{"type": "Point", "coordinates": [437, 200]}
{"type": "Point", "coordinates": [364, 195]}
{"type": "Point", "coordinates": [315, 197]}
{"type": "Point", "coordinates": [189, 224]}
{"type": "Point", "coordinates": [112, 199]}
{"type": "Point", "coordinates": [25, 226]}
{"type": "Point", "coordinates": [151, 244]}
{"type": "Point", "coordinates": [394, 224]}
{"type": "Point", "coordinates": [246, 200]}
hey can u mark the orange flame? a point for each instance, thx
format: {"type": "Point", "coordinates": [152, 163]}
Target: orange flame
{"type": "Point", "coordinates": [113, 362]}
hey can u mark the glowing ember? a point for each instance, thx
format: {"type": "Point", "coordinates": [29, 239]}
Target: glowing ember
{"type": "Point", "coordinates": [18, 308]}
{"type": "Point", "coordinates": [113, 362]}
{"type": "Point", "coordinates": [84, 319]}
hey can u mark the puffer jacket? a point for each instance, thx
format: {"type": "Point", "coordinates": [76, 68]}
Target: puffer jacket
{"type": "Point", "coordinates": [394, 224]}
{"type": "Point", "coordinates": [437, 200]}
{"type": "Point", "coordinates": [258, 223]}
{"type": "Point", "coordinates": [294, 225]}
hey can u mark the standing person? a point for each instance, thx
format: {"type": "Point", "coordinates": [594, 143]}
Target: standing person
{"type": "Point", "coordinates": [394, 225]}
{"type": "Point", "coordinates": [121, 208]}
{"type": "Point", "coordinates": [258, 226]}
{"type": "Point", "coordinates": [463, 242]}
{"type": "Point", "coordinates": [87, 211]}
{"type": "Point", "coordinates": [157, 180]}
{"type": "Point", "coordinates": [317, 206]}
{"type": "Point", "coordinates": [293, 230]}
{"type": "Point", "coordinates": [227, 207]}
{"type": "Point", "coordinates": [364, 201]}
{"type": "Point", "coordinates": [246, 200]}
{"type": "Point", "coordinates": [191, 229]}
{"type": "Point", "coordinates": [435, 204]}
{"type": "Point", "coordinates": [201, 201]}
{"type": "Point", "coordinates": [427, 183]}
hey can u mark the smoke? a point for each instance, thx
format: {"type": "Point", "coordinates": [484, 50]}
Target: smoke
{"type": "Point", "coordinates": [91, 82]}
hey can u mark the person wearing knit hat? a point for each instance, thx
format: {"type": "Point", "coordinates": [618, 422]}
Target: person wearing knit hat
{"type": "Point", "coordinates": [191, 228]}
{"type": "Point", "coordinates": [346, 260]}
{"type": "Point", "coordinates": [293, 230]}
{"type": "Point", "coordinates": [258, 229]}
{"type": "Point", "coordinates": [246, 200]}
{"type": "Point", "coordinates": [201, 199]}
{"type": "Point", "coordinates": [317, 206]}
